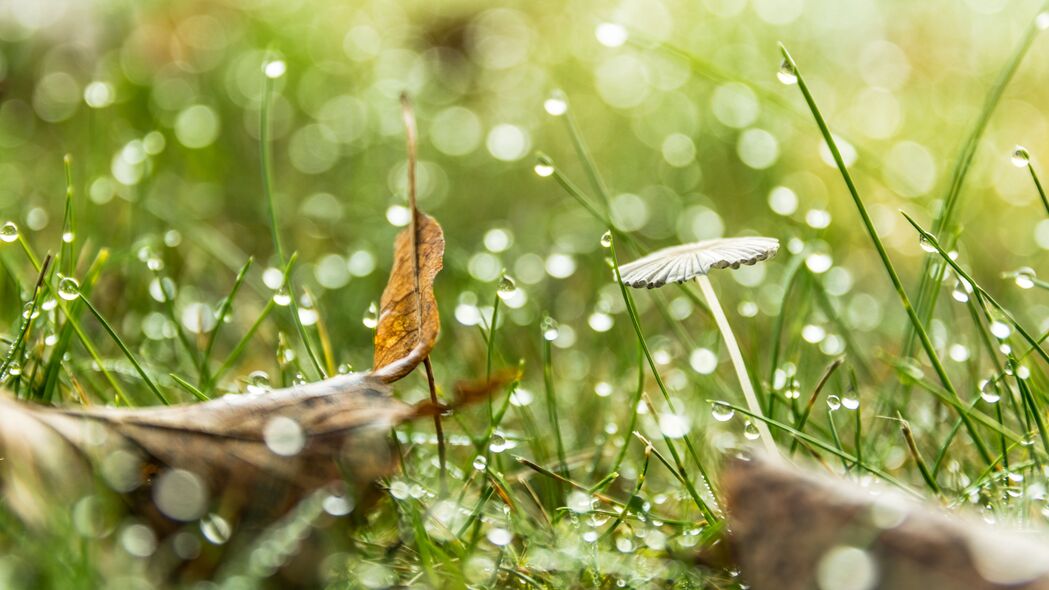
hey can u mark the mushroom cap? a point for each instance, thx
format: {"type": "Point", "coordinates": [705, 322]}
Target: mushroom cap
{"type": "Point", "coordinates": [678, 264]}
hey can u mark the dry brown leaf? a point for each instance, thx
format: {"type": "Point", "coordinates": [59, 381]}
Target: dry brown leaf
{"type": "Point", "coordinates": [408, 320]}
{"type": "Point", "coordinates": [342, 424]}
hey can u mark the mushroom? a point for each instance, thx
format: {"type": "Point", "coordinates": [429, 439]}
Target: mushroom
{"type": "Point", "coordinates": [678, 264]}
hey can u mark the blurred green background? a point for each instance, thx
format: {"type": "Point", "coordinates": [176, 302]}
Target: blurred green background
{"type": "Point", "coordinates": [158, 103]}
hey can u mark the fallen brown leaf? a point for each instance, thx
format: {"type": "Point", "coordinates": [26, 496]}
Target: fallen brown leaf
{"type": "Point", "coordinates": [254, 455]}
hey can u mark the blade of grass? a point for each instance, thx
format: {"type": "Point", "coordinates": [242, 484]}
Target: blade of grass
{"type": "Point", "coordinates": [931, 279]}
{"type": "Point", "coordinates": [917, 324]}
{"type": "Point", "coordinates": [266, 159]}
{"type": "Point", "coordinates": [123, 348]}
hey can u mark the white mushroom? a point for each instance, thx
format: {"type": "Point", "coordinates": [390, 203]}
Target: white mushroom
{"type": "Point", "coordinates": [678, 264]}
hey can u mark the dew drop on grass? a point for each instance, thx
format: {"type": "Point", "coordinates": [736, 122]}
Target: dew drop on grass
{"type": "Point", "coordinates": [606, 239]}
{"type": "Point", "coordinates": [68, 288]}
{"type": "Point", "coordinates": [1020, 157]}
{"type": "Point", "coordinates": [833, 402]}
{"type": "Point", "coordinates": [29, 311]}
{"type": "Point", "coordinates": [215, 529]}
{"type": "Point", "coordinates": [258, 382]}
{"type": "Point", "coordinates": [1022, 372]}
{"type": "Point", "coordinates": [750, 431]}
{"type": "Point", "coordinates": [989, 392]}
{"type": "Point", "coordinates": [275, 69]}
{"type": "Point", "coordinates": [787, 73]}
{"type": "Point", "coordinates": [556, 105]}
{"type": "Point", "coordinates": [960, 292]}
{"type": "Point", "coordinates": [550, 329]}
{"type": "Point", "coordinates": [371, 317]}
{"type": "Point", "coordinates": [1024, 277]}
{"type": "Point", "coordinates": [603, 389]}
{"type": "Point", "coordinates": [850, 403]}
{"type": "Point", "coordinates": [282, 296]}
{"type": "Point", "coordinates": [9, 232]}
{"type": "Point", "coordinates": [68, 237]}
{"type": "Point", "coordinates": [499, 537]}
{"type": "Point", "coordinates": [926, 245]}
{"type": "Point", "coordinates": [480, 463]}
{"type": "Point", "coordinates": [544, 166]}
{"type": "Point", "coordinates": [399, 490]}
{"type": "Point", "coordinates": [1001, 330]}
{"type": "Point", "coordinates": [722, 412]}
{"type": "Point", "coordinates": [498, 443]}
{"type": "Point", "coordinates": [521, 398]}
{"type": "Point", "coordinates": [507, 288]}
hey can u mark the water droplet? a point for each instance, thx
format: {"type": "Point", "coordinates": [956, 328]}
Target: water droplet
{"type": "Point", "coordinates": [989, 392]}
{"type": "Point", "coordinates": [499, 537]}
{"type": "Point", "coordinates": [9, 232]}
{"type": "Point", "coordinates": [606, 239]}
{"type": "Point", "coordinates": [550, 328]}
{"type": "Point", "coordinates": [29, 311]}
{"type": "Point", "coordinates": [258, 382]}
{"type": "Point", "coordinates": [507, 287]}
{"type": "Point", "coordinates": [961, 291]}
{"type": "Point", "coordinates": [1001, 330]}
{"type": "Point", "coordinates": [521, 398]}
{"type": "Point", "coordinates": [850, 403]}
{"type": "Point", "coordinates": [68, 237]}
{"type": "Point", "coordinates": [1021, 371]}
{"type": "Point", "coordinates": [1020, 157]}
{"type": "Point", "coordinates": [787, 73]}
{"type": "Point", "coordinates": [282, 296]}
{"type": "Point", "coordinates": [338, 505]}
{"type": "Point", "coordinates": [722, 412]}
{"type": "Point", "coordinates": [750, 431]}
{"type": "Point", "coordinates": [68, 288]}
{"type": "Point", "coordinates": [833, 402]}
{"type": "Point", "coordinates": [275, 69]}
{"type": "Point", "coordinates": [155, 263]}
{"type": "Point", "coordinates": [344, 369]}
{"type": "Point", "coordinates": [1042, 21]}
{"type": "Point", "coordinates": [480, 462]}
{"type": "Point", "coordinates": [580, 502]}
{"type": "Point", "coordinates": [544, 166]}
{"type": "Point", "coordinates": [284, 436]}
{"type": "Point", "coordinates": [557, 104]}
{"type": "Point", "coordinates": [926, 245]}
{"type": "Point", "coordinates": [215, 529]}
{"type": "Point", "coordinates": [400, 490]}
{"type": "Point", "coordinates": [1024, 277]}
{"type": "Point", "coordinates": [498, 443]}
{"type": "Point", "coordinates": [371, 317]}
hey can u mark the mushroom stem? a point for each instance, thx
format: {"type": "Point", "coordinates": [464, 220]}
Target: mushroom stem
{"type": "Point", "coordinates": [737, 362]}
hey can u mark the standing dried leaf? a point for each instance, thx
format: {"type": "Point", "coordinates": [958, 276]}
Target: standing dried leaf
{"type": "Point", "coordinates": [408, 320]}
